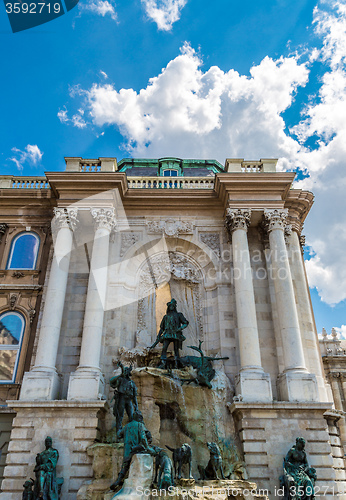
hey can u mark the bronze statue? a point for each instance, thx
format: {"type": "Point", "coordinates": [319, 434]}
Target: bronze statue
{"type": "Point", "coordinates": [125, 395]}
{"type": "Point", "coordinates": [298, 479]}
{"type": "Point", "coordinates": [47, 485]}
{"type": "Point", "coordinates": [135, 437]}
{"type": "Point", "coordinates": [171, 328]}
{"type": "Point", "coordinates": [181, 456]}
{"type": "Point", "coordinates": [214, 464]}
{"type": "Point", "coordinates": [164, 477]}
{"type": "Point", "coordinates": [203, 365]}
{"type": "Point", "coordinates": [28, 494]}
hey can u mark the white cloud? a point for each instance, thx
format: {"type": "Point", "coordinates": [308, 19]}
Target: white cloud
{"type": "Point", "coordinates": [324, 118]}
{"type": "Point", "coordinates": [31, 155]}
{"type": "Point", "coordinates": [77, 119]}
{"type": "Point", "coordinates": [62, 115]}
{"type": "Point", "coordinates": [100, 7]}
{"type": "Point", "coordinates": [185, 111]}
{"type": "Point", "coordinates": [341, 331]}
{"type": "Point", "coordinates": [104, 74]}
{"type": "Point", "coordinates": [164, 12]}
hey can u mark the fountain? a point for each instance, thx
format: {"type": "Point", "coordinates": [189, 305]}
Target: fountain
{"type": "Point", "coordinates": [176, 409]}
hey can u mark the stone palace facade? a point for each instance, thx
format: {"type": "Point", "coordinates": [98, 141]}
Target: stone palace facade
{"type": "Point", "coordinates": [89, 258]}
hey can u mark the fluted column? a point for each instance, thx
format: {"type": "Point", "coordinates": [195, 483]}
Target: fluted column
{"type": "Point", "coordinates": [295, 383]}
{"type": "Point", "coordinates": [87, 382]}
{"type": "Point", "coordinates": [42, 382]}
{"type": "Point", "coordinates": [252, 383]}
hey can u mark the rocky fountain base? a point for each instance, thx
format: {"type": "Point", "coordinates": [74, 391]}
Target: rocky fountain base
{"type": "Point", "coordinates": [139, 485]}
{"type": "Point", "coordinates": [176, 410]}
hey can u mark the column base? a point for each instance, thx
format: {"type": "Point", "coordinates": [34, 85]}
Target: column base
{"type": "Point", "coordinates": [86, 384]}
{"type": "Point", "coordinates": [297, 386]}
{"type": "Point", "coordinates": [254, 386]}
{"type": "Point", "coordinates": [40, 385]}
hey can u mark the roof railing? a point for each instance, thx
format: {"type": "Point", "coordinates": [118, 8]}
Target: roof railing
{"type": "Point", "coordinates": [170, 182]}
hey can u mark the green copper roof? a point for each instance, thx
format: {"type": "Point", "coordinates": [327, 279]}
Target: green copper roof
{"type": "Point", "coordinates": [154, 167]}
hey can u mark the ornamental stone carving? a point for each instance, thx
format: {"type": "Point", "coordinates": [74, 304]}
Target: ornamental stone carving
{"type": "Point", "coordinates": [127, 240]}
{"type": "Point", "coordinates": [159, 269]}
{"type": "Point", "coordinates": [287, 232]}
{"type": "Point", "coordinates": [212, 240]}
{"type": "Point", "coordinates": [275, 219]}
{"type": "Point", "coordinates": [65, 217]}
{"type": "Point", "coordinates": [302, 242]}
{"type": "Point", "coordinates": [237, 218]}
{"type": "Point", "coordinates": [3, 228]}
{"type": "Point", "coordinates": [170, 227]}
{"type": "Point", "coordinates": [103, 218]}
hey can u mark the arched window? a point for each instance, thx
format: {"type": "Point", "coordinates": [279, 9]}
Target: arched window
{"type": "Point", "coordinates": [24, 250]}
{"type": "Point", "coordinates": [12, 326]}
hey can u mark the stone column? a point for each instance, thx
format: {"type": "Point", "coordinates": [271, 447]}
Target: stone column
{"type": "Point", "coordinates": [295, 383]}
{"type": "Point", "coordinates": [87, 381]}
{"type": "Point", "coordinates": [313, 354]}
{"type": "Point", "coordinates": [42, 382]}
{"type": "Point", "coordinates": [251, 383]}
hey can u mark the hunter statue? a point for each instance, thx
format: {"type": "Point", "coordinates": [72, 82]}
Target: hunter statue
{"type": "Point", "coordinates": [125, 395]}
{"type": "Point", "coordinates": [172, 325]}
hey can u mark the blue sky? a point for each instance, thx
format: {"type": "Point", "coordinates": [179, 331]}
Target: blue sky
{"type": "Point", "coordinates": [191, 78]}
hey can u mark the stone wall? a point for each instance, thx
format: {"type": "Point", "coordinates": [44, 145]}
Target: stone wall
{"type": "Point", "coordinates": [6, 417]}
{"type": "Point", "coordinates": [73, 427]}
{"type": "Point", "coordinates": [267, 432]}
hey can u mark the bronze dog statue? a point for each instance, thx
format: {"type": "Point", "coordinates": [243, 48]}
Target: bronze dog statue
{"type": "Point", "coordinates": [214, 464]}
{"type": "Point", "coordinates": [181, 456]}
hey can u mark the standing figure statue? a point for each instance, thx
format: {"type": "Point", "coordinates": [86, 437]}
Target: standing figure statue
{"type": "Point", "coordinates": [47, 485]}
{"type": "Point", "coordinates": [171, 328]}
{"type": "Point", "coordinates": [298, 479]}
{"type": "Point", "coordinates": [125, 395]}
{"type": "Point", "coordinates": [135, 436]}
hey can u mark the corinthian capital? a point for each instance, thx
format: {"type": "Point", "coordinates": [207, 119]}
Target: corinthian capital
{"type": "Point", "coordinates": [237, 218]}
{"type": "Point", "coordinates": [65, 217]}
{"type": "Point", "coordinates": [103, 218]}
{"type": "Point", "coordinates": [275, 219]}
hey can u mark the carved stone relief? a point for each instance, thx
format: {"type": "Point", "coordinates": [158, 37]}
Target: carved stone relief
{"type": "Point", "coordinates": [180, 271]}
{"type": "Point", "coordinates": [127, 240]}
{"type": "Point", "coordinates": [170, 227]}
{"type": "Point", "coordinates": [212, 240]}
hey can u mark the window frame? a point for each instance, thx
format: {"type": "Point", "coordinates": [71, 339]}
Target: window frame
{"type": "Point", "coordinates": [17, 347]}
{"type": "Point", "coordinates": [170, 170]}
{"type": "Point", "coordinates": [12, 248]}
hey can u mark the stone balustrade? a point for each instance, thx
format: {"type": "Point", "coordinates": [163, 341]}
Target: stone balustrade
{"type": "Point", "coordinates": [90, 166]}
{"type": "Point", "coordinates": [171, 182]}
{"type": "Point", "coordinates": [22, 182]}
{"type": "Point", "coordinates": [254, 166]}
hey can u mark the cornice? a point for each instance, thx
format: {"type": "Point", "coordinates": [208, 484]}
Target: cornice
{"type": "Point", "coordinates": [257, 190]}
{"type": "Point", "coordinates": [71, 187]}
{"type": "Point", "coordinates": [299, 204]}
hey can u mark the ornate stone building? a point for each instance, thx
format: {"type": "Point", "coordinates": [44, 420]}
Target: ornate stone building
{"type": "Point", "coordinates": [89, 258]}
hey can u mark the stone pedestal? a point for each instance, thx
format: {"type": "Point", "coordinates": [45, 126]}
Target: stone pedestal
{"type": "Point", "coordinates": [139, 479]}
{"type": "Point", "coordinates": [254, 386]}
{"type": "Point", "coordinates": [84, 383]}
{"type": "Point", "coordinates": [297, 387]}
{"type": "Point", "coordinates": [41, 385]}
{"type": "Point", "coordinates": [73, 428]}
{"type": "Point", "coordinates": [268, 431]}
